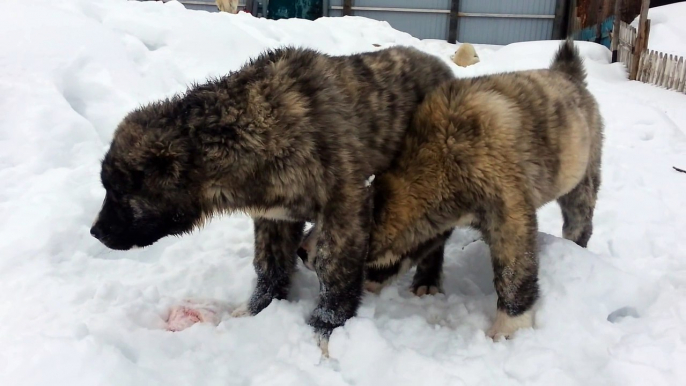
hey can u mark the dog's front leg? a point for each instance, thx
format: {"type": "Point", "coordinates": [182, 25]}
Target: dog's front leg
{"type": "Point", "coordinates": [341, 250]}
{"type": "Point", "coordinates": [510, 229]}
{"type": "Point", "coordinates": [275, 246]}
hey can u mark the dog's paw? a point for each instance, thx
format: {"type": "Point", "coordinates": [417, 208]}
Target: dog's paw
{"type": "Point", "coordinates": [241, 311]}
{"type": "Point", "coordinates": [373, 287]}
{"type": "Point", "coordinates": [323, 343]}
{"type": "Point", "coordinates": [505, 325]}
{"type": "Point", "coordinates": [425, 290]}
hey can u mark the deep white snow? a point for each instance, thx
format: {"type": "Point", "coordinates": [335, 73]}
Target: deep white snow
{"type": "Point", "coordinates": [667, 28]}
{"type": "Point", "coordinates": [74, 313]}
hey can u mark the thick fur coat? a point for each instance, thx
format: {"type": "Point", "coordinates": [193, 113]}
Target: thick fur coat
{"type": "Point", "coordinates": [487, 152]}
{"type": "Point", "coordinates": [289, 138]}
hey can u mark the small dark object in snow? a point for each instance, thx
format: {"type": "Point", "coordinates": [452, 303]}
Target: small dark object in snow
{"type": "Point", "coordinates": [679, 170]}
{"type": "Point", "coordinates": [618, 315]}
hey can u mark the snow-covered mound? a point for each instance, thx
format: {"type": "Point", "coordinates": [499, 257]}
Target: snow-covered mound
{"type": "Point", "coordinates": [667, 28]}
{"type": "Point", "coordinates": [74, 313]}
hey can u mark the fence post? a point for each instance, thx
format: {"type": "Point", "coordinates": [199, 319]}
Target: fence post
{"type": "Point", "coordinates": [647, 35]}
{"type": "Point", "coordinates": [452, 27]}
{"type": "Point", "coordinates": [641, 41]}
{"type": "Point", "coordinates": [680, 77]}
{"type": "Point", "coordinates": [651, 67]}
{"type": "Point", "coordinates": [615, 31]}
{"type": "Point", "coordinates": [642, 65]}
{"type": "Point", "coordinates": [661, 70]}
{"type": "Point", "coordinates": [656, 73]}
{"type": "Point", "coordinates": [571, 18]}
{"type": "Point", "coordinates": [672, 72]}
{"type": "Point", "coordinates": [682, 84]}
{"type": "Point", "coordinates": [677, 72]}
{"type": "Point", "coordinates": [560, 29]}
{"type": "Point", "coordinates": [347, 7]}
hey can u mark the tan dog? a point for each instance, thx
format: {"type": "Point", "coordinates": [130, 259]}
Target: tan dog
{"type": "Point", "coordinates": [230, 6]}
{"type": "Point", "coordinates": [486, 152]}
{"type": "Point", "coordinates": [465, 55]}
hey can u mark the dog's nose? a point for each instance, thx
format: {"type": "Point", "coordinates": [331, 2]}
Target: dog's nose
{"type": "Point", "coordinates": [96, 232]}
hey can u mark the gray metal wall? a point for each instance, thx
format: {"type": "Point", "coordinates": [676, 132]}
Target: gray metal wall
{"type": "Point", "coordinates": [424, 25]}
{"type": "Point", "coordinates": [480, 21]}
{"type": "Point", "coordinates": [502, 30]}
{"type": "Point", "coordinates": [206, 5]}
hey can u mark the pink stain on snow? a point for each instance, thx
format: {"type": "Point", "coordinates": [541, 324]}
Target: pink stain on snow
{"type": "Point", "coordinates": [183, 316]}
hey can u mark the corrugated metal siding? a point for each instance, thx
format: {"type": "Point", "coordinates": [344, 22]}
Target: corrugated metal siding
{"type": "Point", "coordinates": [492, 30]}
{"type": "Point", "coordinates": [503, 31]}
{"type": "Point", "coordinates": [420, 25]}
{"type": "Point", "coordinates": [527, 7]}
{"type": "Point", "coordinates": [209, 5]}
{"type": "Point", "coordinates": [488, 30]}
{"type": "Point", "coordinates": [426, 4]}
{"type": "Point", "coordinates": [423, 25]}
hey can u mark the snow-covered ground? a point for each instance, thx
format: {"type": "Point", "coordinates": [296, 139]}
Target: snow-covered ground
{"type": "Point", "coordinates": [667, 28]}
{"type": "Point", "coordinates": [74, 313]}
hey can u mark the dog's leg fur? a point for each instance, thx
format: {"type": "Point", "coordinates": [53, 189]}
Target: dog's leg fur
{"type": "Point", "coordinates": [486, 152]}
{"type": "Point", "coordinates": [578, 207]}
{"type": "Point", "coordinates": [342, 245]}
{"type": "Point", "coordinates": [275, 246]}
{"type": "Point", "coordinates": [510, 229]}
{"type": "Point", "coordinates": [428, 257]}
{"type": "Point", "coordinates": [428, 278]}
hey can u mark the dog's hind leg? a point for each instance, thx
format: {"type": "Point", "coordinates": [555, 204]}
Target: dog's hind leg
{"type": "Point", "coordinates": [429, 275]}
{"type": "Point", "coordinates": [577, 209]}
{"type": "Point", "coordinates": [428, 257]}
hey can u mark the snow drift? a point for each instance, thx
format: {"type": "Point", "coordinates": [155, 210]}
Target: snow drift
{"type": "Point", "coordinates": [76, 313]}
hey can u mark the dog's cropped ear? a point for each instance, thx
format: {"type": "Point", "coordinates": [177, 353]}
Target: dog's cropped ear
{"type": "Point", "coordinates": [207, 117]}
{"type": "Point", "coordinates": [162, 158]}
{"type": "Point", "coordinates": [193, 105]}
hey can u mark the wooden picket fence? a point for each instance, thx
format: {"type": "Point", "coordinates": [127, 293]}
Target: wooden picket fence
{"type": "Point", "coordinates": [663, 70]}
{"type": "Point", "coordinates": [626, 44]}
{"type": "Point", "coordinates": [653, 67]}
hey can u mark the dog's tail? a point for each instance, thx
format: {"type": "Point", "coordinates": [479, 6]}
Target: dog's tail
{"type": "Point", "coordinates": [569, 61]}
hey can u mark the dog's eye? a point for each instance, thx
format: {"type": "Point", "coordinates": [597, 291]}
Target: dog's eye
{"type": "Point", "coordinates": [177, 217]}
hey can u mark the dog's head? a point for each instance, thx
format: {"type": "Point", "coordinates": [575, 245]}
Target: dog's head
{"type": "Point", "coordinates": [150, 182]}
{"type": "Point", "coordinates": [221, 147]}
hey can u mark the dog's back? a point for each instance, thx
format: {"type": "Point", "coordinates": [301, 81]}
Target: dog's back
{"type": "Point", "coordinates": [385, 88]}
{"type": "Point", "coordinates": [377, 93]}
{"type": "Point", "coordinates": [545, 121]}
